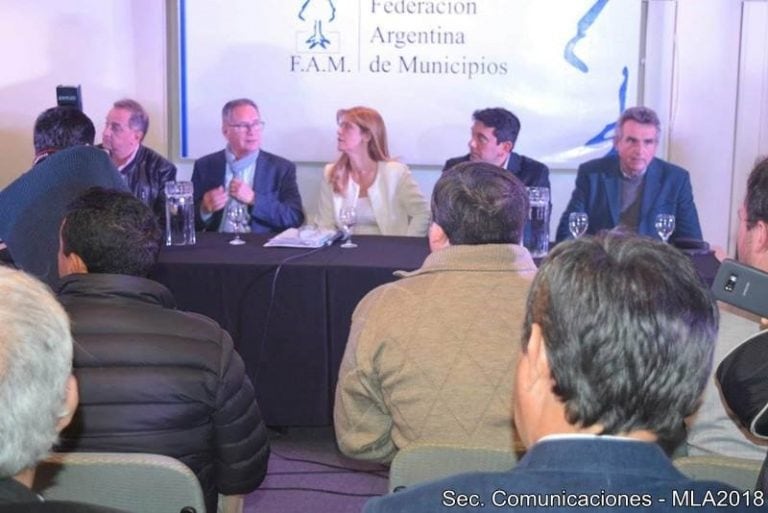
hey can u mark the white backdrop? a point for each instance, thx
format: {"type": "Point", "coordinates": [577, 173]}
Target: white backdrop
{"type": "Point", "coordinates": [425, 70]}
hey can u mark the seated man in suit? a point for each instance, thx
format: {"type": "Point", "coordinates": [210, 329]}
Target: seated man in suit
{"type": "Point", "coordinates": [616, 349]}
{"type": "Point", "coordinates": [244, 173]}
{"type": "Point", "coordinates": [631, 188]}
{"type": "Point", "coordinates": [152, 378]}
{"type": "Point", "coordinates": [32, 206]}
{"type": "Point", "coordinates": [144, 170]}
{"type": "Point", "coordinates": [38, 394]}
{"type": "Point", "coordinates": [493, 136]}
{"type": "Point", "coordinates": [428, 358]}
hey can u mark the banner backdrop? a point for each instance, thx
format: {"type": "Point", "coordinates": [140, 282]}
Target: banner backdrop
{"type": "Point", "coordinates": [566, 68]}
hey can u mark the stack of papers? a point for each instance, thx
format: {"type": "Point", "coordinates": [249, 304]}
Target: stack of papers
{"type": "Point", "coordinates": [304, 237]}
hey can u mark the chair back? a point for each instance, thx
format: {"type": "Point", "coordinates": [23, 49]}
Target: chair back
{"type": "Point", "coordinates": [418, 463]}
{"type": "Point", "coordinates": [738, 472]}
{"type": "Point", "coordinates": [135, 482]}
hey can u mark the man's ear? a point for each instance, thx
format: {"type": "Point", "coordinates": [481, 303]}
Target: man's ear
{"type": "Point", "coordinates": [70, 403]}
{"type": "Point", "coordinates": [508, 146]}
{"type": "Point", "coordinates": [536, 352]}
{"type": "Point", "coordinates": [437, 238]}
{"type": "Point", "coordinates": [760, 235]}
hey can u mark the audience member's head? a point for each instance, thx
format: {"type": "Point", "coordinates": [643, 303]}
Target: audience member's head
{"type": "Point", "coordinates": [38, 394]}
{"type": "Point", "coordinates": [58, 128]}
{"type": "Point", "coordinates": [494, 133]}
{"type": "Point", "coordinates": [106, 231]}
{"type": "Point", "coordinates": [477, 203]}
{"type": "Point", "coordinates": [618, 340]}
{"type": "Point", "coordinates": [753, 219]}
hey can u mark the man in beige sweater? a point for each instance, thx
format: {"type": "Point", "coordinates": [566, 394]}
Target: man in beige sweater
{"type": "Point", "coordinates": [431, 358]}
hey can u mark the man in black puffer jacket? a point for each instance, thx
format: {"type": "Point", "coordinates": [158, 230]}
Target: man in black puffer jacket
{"type": "Point", "coordinates": [152, 378]}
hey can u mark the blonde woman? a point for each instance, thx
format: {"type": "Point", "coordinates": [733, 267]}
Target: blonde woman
{"type": "Point", "coordinates": [386, 198]}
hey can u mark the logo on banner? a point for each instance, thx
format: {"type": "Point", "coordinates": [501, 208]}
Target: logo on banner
{"type": "Point", "coordinates": [318, 49]}
{"type": "Point", "coordinates": [315, 13]}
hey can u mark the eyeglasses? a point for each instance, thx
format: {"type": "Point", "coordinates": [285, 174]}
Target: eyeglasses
{"type": "Point", "coordinates": [243, 127]}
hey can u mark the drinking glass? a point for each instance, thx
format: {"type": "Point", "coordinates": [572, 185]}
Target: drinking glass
{"type": "Point", "coordinates": [537, 227]}
{"type": "Point", "coordinates": [578, 222]}
{"type": "Point", "coordinates": [238, 216]}
{"type": "Point", "coordinates": [348, 218]}
{"type": "Point", "coordinates": [665, 225]}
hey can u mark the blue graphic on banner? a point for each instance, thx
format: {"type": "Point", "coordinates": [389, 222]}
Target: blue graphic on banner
{"type": "Point", "coordinates": [581, 30]}
{"type": "Point", "coordinates": [316, 11]}
{"type": "Point", "coordinates": [610, 127]}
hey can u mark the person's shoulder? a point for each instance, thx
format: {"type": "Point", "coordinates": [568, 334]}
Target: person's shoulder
{"type": "Point", "coordinates": [455, 160]}
{"type": "Point", "coordinates": [530, 164]}
{"type": "Point", "coordinates": [393, 167]}
{"type": "Point", "coordinates": [602, 165]}
{"type": "Point", "coordinates": [211, 159]}
{"type": "Point", "coordinates": [274, 160]}
{"type": "Point", "coordinates": [149, 154]}
{"type": "Point", "coordinates": [669, 169]}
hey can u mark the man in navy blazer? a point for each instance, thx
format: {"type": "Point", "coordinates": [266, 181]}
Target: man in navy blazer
{"type": "Point", "coordinates": [493, 136]}
{"type": "Point", "coordinates": [616, 349]}
{"type": "Point", "coordinates": [494, 133]}
{"type": "Point", "coordinates": [631, 188]}
{"type": "Point", "coordinates": [244, 173]}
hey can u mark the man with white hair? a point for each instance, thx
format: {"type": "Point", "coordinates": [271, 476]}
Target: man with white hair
{"type": "Point", "coordinates": [38, 393]}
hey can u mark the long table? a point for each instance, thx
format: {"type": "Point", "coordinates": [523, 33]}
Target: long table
{"type": "Point", "coordinates": [289, 310]}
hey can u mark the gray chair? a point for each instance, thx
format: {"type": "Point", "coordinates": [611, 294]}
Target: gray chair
{"type": "Point", "coordinates": [135, 482]}
{"type": "Point", "coordinates": [419, 463]}
{"type": "Point", "coordinates": [739, 472]}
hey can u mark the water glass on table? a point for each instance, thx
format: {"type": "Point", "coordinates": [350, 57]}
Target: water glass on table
{"type": "Point", "coordinates": [238, 216]}
{"type": "Point", "coordinates": [665, 225]}
{"type": "Point", "coordinates": [179, 214]}
{"type": "Point", "coordinates": [538, 219]}
{"type": "Point", "coordinates": [348, 218]}
{"type": "Point", "coordinates": [578, 222]}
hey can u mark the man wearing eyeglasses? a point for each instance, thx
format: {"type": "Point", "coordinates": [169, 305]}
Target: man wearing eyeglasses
{"type": "Point", "coordinates": [244, 173]}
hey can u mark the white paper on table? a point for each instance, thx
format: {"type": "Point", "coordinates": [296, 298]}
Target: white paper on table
{"type": "Point", "coordinates": [304, 237]}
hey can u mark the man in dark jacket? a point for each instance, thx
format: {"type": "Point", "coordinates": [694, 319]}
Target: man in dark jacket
{"type": "Point", "coordinates": [32, 206]}
{"type": "Point", "coordinates": [152, 378]}
{"type": "Point", "coordinates": [145, 171]}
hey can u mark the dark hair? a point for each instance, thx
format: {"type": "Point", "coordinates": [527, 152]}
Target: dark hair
{"type": "Point", "coordinates": [479, 203]}
{"type": "Point", "coordinates": [642, 115]}
{"type": "Point", "coordinates": [505, 125]}
{"type": "Point", "coordinates": [629, 331]}
{"type": "Point", "coordinates": [112, 232]}
{"type": "Point", "coordinates": [232, 104]}
{"type": "Point", "coordinates": [756, 200]}
{"type": "Point", "coordinates": [139, 119]}
{"type": "Point", "coordinates": [58, 128]}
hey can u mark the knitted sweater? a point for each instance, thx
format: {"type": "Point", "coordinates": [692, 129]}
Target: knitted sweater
{"type": "Point", "coordinates": [432, 358]}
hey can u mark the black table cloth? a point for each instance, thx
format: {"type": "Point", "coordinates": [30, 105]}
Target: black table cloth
{"type": "Point", "coordinates": [289, 310]}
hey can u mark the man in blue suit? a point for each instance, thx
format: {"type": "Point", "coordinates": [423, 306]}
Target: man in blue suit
{"type": "Point", "coordinates": [632, 187]}
{"type": "Point", "coordinates": [243, 173]}
{"type": "Point", "coordinates": [616, 349]}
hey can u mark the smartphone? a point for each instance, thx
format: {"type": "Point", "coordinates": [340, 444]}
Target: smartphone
{"type": "Point", "coordinates": [742, 286]}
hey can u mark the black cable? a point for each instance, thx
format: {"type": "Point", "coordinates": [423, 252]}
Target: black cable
{"type": "Point", "coordinates": [312, 472]}
{"type": "Point", "coordinates": [376, 473]}
{"type": "Point", "coordinates": [272, 290]}
{"type": "Point", "coordinates": [318, 490]}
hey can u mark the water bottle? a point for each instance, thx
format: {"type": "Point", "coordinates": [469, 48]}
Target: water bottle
{"type": "Point", "coordinates": [538, 219]}
{"type": "Point", "coordinates": [179, 214]}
